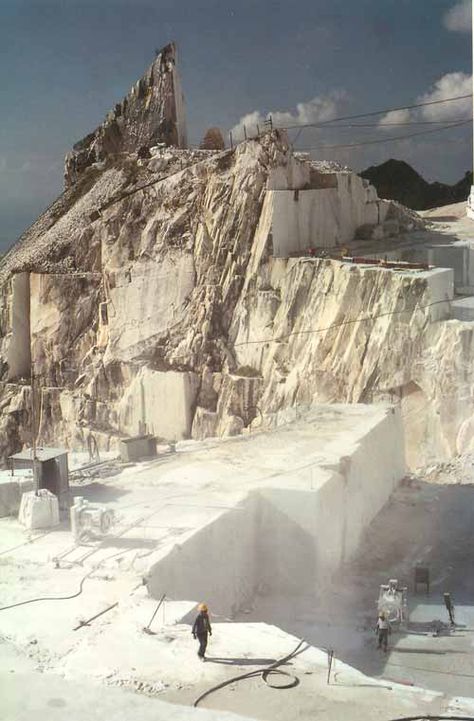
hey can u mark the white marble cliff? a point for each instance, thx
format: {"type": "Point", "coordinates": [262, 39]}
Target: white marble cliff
{"type": "Point", "coordinates": [162, 293]}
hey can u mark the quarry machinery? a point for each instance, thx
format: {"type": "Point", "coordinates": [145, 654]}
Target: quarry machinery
{"type": "Point", "coordinates": [392, 601]}
{"type": "Point", "coordinates": [90, 519]}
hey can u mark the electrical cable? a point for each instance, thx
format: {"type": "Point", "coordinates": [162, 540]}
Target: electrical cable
{"type": "Point", "coordinates": [436, 717]}
{"type": "Point", "coordinates": [351, 321]}
{"type": "Point", "coordinates": [375, 112]}
{"type": "Point", "coordinates": [264, 672]}
{"type": "Point", "coordinates": [51, 598]}
{"type": "Point", "coordinates": [154, 181]}
{"type": "Point", "coordinates": [388, 125]}
{"type": "Point", "coordinates": [391, 139]}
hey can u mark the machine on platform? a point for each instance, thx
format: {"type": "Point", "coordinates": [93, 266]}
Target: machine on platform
{"type": "Point", "coordinates": [90, 519]}
{"type": "Point", "coordinates": [393, 602]}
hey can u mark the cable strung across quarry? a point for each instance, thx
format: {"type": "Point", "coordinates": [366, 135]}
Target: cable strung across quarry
{"type": "Point", "coordinates": [377, 112]}
{"type": "Point", "coordinates": [390, 139]}
{"type": "Point", "coordinates": [349, 321]}
{"type": "Point", "coordinates": [264, 673]}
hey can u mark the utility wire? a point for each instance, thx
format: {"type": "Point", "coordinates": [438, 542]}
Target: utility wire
{"type": "Point", "coordinates": [375, 112]}
{"type": "Point", "coordinates": [387, 125]}
{"type": "Point", "coordinates": [390, 139]}
{"type": "Point", "coordinates": [351, 321]}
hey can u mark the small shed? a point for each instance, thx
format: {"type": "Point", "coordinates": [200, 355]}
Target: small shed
{"type": "Point", "coordinates": [138, 447]}
{"type": "Point", "coordinates": [53, 471]}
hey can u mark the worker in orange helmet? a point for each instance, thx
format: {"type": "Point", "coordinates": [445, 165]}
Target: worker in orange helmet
{"type": "Point", "coordinates": [201, 628]}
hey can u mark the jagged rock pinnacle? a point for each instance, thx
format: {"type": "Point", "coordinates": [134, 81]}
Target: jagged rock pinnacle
{"type": "Point", "coordinates": [152, 112]}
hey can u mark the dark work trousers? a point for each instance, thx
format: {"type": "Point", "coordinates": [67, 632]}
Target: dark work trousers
{"type": "Point", "coordinates": [202, 638]}
{"type": "Point", "coordinates": [383, 638]}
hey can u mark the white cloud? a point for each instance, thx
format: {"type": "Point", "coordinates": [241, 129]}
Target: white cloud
{"type": "Point", "coordinates": [317, 110]}
{"type": "Point", "coordinates": [394, 117]}
{"type": "Point", "coordinates": [448, 86]}
{"type": "Point", "coordinates": [458, 18]}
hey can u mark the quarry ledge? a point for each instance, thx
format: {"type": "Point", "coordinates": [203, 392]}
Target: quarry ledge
{"type": "Point", "coordinates": [341, 465]}
{"type": "Point", "coordinates": [216, 498]}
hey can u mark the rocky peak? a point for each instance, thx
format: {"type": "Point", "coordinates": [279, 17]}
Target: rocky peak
{"type": "Point", "coordinates": [151, 113]}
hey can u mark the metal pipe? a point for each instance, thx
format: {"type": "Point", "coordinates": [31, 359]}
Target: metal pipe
{"type": "Point", "coordinates": [86, 623]}
{"type": "Point", "coordinates": [156, 611]}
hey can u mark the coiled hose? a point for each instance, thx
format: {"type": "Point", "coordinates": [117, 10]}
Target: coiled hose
{"type": "Point", "coordinates": [264, 672]}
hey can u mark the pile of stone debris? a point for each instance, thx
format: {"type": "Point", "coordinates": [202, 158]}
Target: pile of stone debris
{"type": "Point", "coordinates": [458, 470]}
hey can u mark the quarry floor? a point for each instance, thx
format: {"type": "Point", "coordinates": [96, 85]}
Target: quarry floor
{"type": "Point", "coordinates": [114, 667]}
{"type": "Point", "coordinates": [448, 224]}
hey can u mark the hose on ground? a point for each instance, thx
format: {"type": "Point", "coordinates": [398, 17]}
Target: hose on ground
{"type": "Point", "coordinates": [434, 718]}
{"type": "Point", "coordinates": [51, 598]}
{"type": "Point", "coordinates": [264, 673]}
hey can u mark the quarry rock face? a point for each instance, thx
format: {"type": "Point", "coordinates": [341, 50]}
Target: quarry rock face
{"type": "Point", "coordinates": [173, 294]}
{"type": "Point", "coordinates": [152, 112]}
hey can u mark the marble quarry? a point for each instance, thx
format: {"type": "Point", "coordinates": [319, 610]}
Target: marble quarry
{"type": "Point", "coordinates": [186, 293]}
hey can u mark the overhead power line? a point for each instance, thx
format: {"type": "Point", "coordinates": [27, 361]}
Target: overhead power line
{"type": "Point", "coordinates": [376, 112]}
{"type": "Point", "coordinates": [389, 125]}
{"type": "Point", "coordinates": [392, 138]}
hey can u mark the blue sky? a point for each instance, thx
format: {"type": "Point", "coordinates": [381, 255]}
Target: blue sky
{"type": "Point", "coordinates": [64, 63]}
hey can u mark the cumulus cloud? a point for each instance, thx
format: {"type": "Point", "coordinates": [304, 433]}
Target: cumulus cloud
{"type": "Point", "coordinates": [450, 85]}
{"type": "Point", "coordinates": [317, 110]}
{"type": "Point", "coordinates": [458, 18]}
{"type": "Point", "coordinates": [395, 116]}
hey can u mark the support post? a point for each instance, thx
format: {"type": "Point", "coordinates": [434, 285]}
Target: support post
{"type": "Point", "coordinates": [33, 432]}
{"type": "Point", "coordinates": [330, 660]}
{"type": "Point", "coordinates": [470, 200]}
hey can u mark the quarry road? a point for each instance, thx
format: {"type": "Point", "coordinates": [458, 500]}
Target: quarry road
{"type": "Point", "coordinates": [423, 523]}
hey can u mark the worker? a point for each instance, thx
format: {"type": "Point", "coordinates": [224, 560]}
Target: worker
{"type": "Point", "coordinates": [201, 628]}
{"type": "Point", "coordinates": [448, 602]}
{"type": "Point", "coordinates": [382, 629]}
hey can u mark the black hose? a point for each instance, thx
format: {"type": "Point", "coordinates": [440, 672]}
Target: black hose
{"type": "Point", "coordinates": [50, 598]}
{"type": "Point", "coordinates": [433, 718]}
{"type": "Point", "coordinates": [264, 672]}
